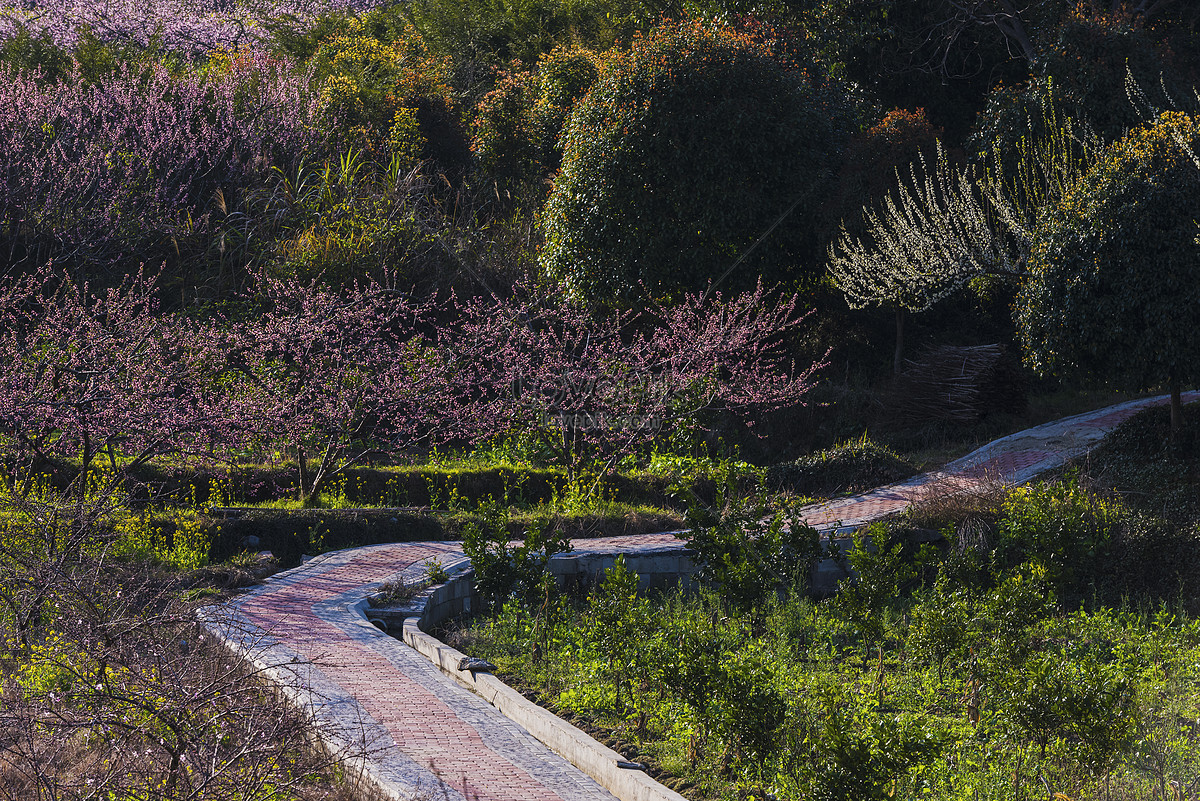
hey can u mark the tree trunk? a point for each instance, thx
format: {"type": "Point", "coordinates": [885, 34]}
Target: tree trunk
{"type": "Point", "coordinates": [312, 492]}
{"type": "Point", "coordinates": [898, 357]}
{"type": "Point", "coordinates": [303, 489]}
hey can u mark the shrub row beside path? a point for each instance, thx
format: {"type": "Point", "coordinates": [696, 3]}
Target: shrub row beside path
{"type": "Point", "coordinates": [416, 732]}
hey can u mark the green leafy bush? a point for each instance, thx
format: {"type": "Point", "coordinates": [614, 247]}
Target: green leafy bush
{"type": "Point", "coordinates": [840, 747]}
{"type": "Point", "coordinates": [1061, 527]}
{"type": "Point", "coordinates": [390, 98]}
{"type": "Point", "coordinates": [480, 34]}
{"type": "Point", "coordinates": [691, 668]}
{"type": "Point", "coordinates": [852, 466]}
{"type": "Point", "coordinates": [54, 664]}
{"type": "Point", "coordinates": [617, 624]}
{"type": "Point", "coordinates": [687, 149]}
{"type": "Point", "coordinates": [1118, 254]}
{"type": "Point", "coordinates": [1079, 701]}
{"type": "Point", "coordinates": [1085, 65]}
{"type": "Point", "coordinates": [938, 625]}
{"type": "Point", "coordinates": [24, 52]}
{"type": "Point", "coordinates": [749, 705]}
{"type": "Point", "coordinates": [882, 570]}
{"type": "Point", "coordinates": [750, 555]}
{"type": "Point", "coordinates": [515, 132]}
{"type": "Point", "coordinates": [504, 569]}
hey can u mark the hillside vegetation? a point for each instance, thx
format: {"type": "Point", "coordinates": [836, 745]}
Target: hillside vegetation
{"type": "Point", "coordinates": [554, 269]}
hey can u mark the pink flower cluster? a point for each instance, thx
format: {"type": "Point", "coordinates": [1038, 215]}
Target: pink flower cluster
{"type": "Point", "coordinates": [332, 376]}
{"type": "Point", "coordinates": [596, 388]}
{"type": "Point", "coordinates": [128, 163]}
{"type": "Point", "coordinates": [189, 26]}
{"type": "Point", "coordinates": [86, 373]}
{"type": "Point", "coordinates": [335, 376]}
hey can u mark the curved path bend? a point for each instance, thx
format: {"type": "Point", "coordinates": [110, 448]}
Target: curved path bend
{"type": "Point", "coordinates": [416, 733]}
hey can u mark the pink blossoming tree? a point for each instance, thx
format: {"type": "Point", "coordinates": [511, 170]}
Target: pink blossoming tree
{"type": "Point", "coordinates": [101, 373]}
{"type": "Point", "coordinates": [592, 390]}
{"type": "Point", "coordinates": [339, 376]}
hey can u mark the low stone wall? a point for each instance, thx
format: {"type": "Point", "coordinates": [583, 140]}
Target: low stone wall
{"type": "Point", "coordinates": [656, 569]}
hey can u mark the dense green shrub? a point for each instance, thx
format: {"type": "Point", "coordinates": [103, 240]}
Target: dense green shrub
{"type": "Point", "coordinates": [505, 137]}
{"type": "Point", "coordinates": [504, 569]}
{"type": "Point", "coordinates": [749, 555]}
{"type": "Point", "coordinates": [478, 35]}
{"type": "Point", "coordinates": [690, 669]}
{"type": "Point", "coordinates": [616, 626]}
{"type": "Point", "coordinates": [25, 52]}
{"type": "Point", "coordinates": [1083, 72]}
{"type": "Point", "coordinates": [969, 689]}
{"type": "Point", "coordinates": [390, 98]}
{"type": "Point", "coordinates": [938, 627]}
{"type": "Point", "coordinates": [687, 150]}
{"type": "Point", "coordinates": [1117, 256]}
{"type": "Point", "coordinates": [841, 747]}
{"type": "Point", "coordinates": [515, 132]}
{"type": "Point", "coordinates": [1080, 701]}
{"type": "Point", "coordinates": [1060, 526]}
{"type": "Point", "coordinates": [749, 704]}
{"type": "Point", "coordinates": [881, 572]}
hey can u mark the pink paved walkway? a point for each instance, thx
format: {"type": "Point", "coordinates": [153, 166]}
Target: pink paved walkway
{"type": "Point", "coordinates": [420, 732]}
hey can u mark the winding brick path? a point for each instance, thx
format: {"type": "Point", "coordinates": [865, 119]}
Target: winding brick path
{"type": "Point", "coordinates": [420, 734]}
{"type": "Point", "coordinates": [1013, 460]}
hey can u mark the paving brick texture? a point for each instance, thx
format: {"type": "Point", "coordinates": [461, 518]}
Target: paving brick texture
{"type": "Point", "coordinates": [425, 735]}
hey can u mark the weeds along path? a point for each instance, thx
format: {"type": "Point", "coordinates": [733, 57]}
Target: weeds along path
{"type": "Point", "coordinates": [411, 731]}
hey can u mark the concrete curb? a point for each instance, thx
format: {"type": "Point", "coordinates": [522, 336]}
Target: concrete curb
{"type": "Point", "coordinates": [596, 760]}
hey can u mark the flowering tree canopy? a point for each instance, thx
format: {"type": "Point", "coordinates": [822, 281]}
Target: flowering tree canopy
{"type": "Point", "coordinates": [337, 375]}
{"type": "Point", "coordinates": [593, 389]}
{"type": "Point", "coordinates": [926, 242]}
{"type": "Point", "coordinates": [193, 27]}
{"type": "Point", "coordinates": [136, 161]}
{"type": "Point", "coordinates": [85, 373]}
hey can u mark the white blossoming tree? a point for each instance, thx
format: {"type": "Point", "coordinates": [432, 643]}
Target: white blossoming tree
{"type": "Point", "coordinates": [930, 237]}
{"type": "Point", "coordinates": [945, 227]}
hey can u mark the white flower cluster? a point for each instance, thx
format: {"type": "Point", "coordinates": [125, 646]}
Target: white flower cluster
{"type": "Point", "coordinates": [931, 236]}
